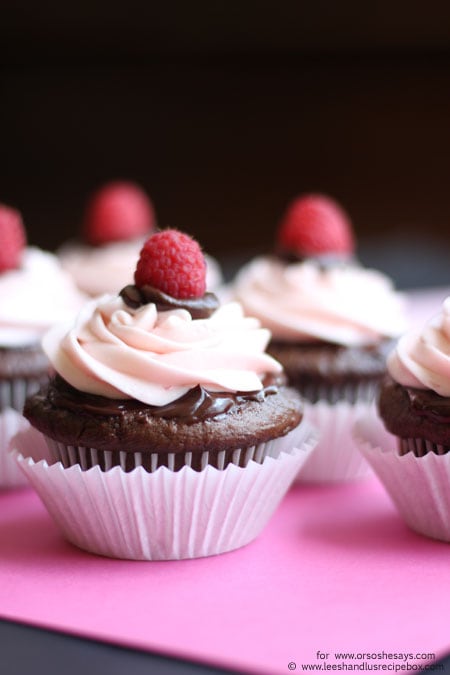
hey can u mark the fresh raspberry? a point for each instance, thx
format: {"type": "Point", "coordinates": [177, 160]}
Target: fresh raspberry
{"type": "Point", "coordinates": [172, 262]}
{"type": "Point", "coordinates": [117, 212]}
{"type": "Point", "coordinates": [12, 238]}
{"type": "Point", "coordinates": [315, 225]}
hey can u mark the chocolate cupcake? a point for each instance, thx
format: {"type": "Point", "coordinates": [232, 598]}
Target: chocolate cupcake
{"type": "Point", "coordinates": [332, 323]}
{"type": "Point", "coordinates": [35, 293]}
{"type": "Point", "coordinates": [168, 405]}
{"type": "Point", "coordinates": [411, 455]}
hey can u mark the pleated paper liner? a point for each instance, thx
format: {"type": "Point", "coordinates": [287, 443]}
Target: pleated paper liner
{"type": "Point", "coordinates": [13, 393]}
{"type": "Point", "coordinates": [164, 514]}
{"type": "Point", "coordinates": [69, 455]}
{"type": "Point", "coordinates": [419, 486]}
{"type": "Point", "coordinates": [333, 410]}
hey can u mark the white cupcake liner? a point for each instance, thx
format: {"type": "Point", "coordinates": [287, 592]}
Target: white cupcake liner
{"type": "Point", "coordinates": [363, 392]}
{"type": "Point", "coordinates": [11, 422]}
{"type": "Point", "coordinates": [69, 455]}
{"type": "Point", "coordinates": [418, 486]}
{"type": "Point", "coordinates": [336, 457]}
{"type": "Point", "coordinates": [164, 515]}
{"type": "Point", "coordinates": [13, 393]}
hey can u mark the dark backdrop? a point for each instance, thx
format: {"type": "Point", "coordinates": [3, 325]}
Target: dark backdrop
{"type": "Point", "coordinates": [224, 111]}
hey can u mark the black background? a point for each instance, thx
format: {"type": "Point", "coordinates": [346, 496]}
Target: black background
{"type": "Point", "coordinates": [224, 111]}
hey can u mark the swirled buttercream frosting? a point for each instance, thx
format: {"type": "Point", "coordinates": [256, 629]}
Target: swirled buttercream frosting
{"type": "Point", "coordinates": [305, 302]}
{"type": "Point", "coordinates": [34, 297]}
{"type": "Point", "coordinates": [155, 357]}
{"type": "Point", "coordinates": [421, 358]}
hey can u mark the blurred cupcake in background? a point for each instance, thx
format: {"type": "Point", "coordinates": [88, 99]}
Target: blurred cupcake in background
{"type": "Point", "coordinates": [410, 450]}
{"type": "Point", "coordinates": [35, 293]}
{"type": "Point", "coordinates": [117, 220]}
{"type": "Point", "coordinates": [332, 323]}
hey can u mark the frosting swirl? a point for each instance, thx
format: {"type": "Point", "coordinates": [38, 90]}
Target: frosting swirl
{"type": "Point", "coordinates": [34, 297]}
{"type": "Point", "coordinates": [155, 357]}
{"type": "Point", "coordinates": [421, 358]}
{"type": "Point", "coordinates": [305, 301]}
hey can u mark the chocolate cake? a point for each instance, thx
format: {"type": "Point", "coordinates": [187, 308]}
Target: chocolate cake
{"type": "Point", "coordinates": [28, 361]}
{"type": "Point", "coordinates": [22, 371]}
{"type": "Point", "coordinates": [420, 418]}
{"type": "Point", "coordinates": [111, 432]}
{"type": "Point", "coordinates": [339, 372]}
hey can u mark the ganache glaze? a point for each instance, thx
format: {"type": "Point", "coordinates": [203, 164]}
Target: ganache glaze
{"type": "Point", "coordinates": [194, 406]}
{"type": "Point", "coordinates": [430, 405]}
{"type": "Point", "coordinates": [199, 308]}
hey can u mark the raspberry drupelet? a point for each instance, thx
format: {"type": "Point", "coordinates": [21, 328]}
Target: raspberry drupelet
{"type": "Point", "coordinates": [174, 263]}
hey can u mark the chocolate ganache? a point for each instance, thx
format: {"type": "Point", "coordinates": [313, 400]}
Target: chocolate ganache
{"type": "Point", "coordinates": [196, 405]}
{"type": "Point", "coordinates": [199, 308]}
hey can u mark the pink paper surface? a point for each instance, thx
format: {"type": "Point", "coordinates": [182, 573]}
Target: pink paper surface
{"type": "Point", "coordinates": [336, 570]}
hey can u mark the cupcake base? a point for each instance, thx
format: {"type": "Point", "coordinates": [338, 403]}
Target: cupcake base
{"type": "Point", "coordinates": [336, 457]}
{"type": "Point", "coordinates": [11, 422]}
{"type": "Point", "coordinates": [163, 515]}
{"type": "Point", "coordinates": [13, 393]}
{"type": "Point", "coordinates": [420, 447]}
{"type": "Point", "coordinates": [69, 455]}
{"type": "Point", "coordinates": [418, 486]}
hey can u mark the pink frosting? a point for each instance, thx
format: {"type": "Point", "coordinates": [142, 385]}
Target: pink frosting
{"type": "Point", "coordinates": [421, 358]}
{"type": "Point", "coordinates": [34, 297]}
{"type": "Point", "coordinates": [155, 357]}
{"type": "Point", "coordinates": [107, 269]}
{"type": "Point", "coordinates": [347, 305]}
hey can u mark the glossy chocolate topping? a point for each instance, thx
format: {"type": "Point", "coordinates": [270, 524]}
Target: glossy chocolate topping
{"type": "Point", "coordinates": [194, 406]}
{"type": "Point", "coordinates": [199, 308]}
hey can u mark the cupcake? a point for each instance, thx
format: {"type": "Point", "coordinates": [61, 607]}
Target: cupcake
{"type": "Point", "coordinates": [332, 323]}
{"type": "Point", "coordinates": [409, 450]}
{"type": "Point", "coordinates": [169, 431]}
{"type": "Point", "coordinates": [118, 218]}
{"type": "Point", "coordinates": [35, 293]}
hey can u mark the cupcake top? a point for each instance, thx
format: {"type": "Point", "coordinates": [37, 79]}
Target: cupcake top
{"type": "Point", "coordinates": [421, 359]}
{"type": "Point", "coordinates": [313, 289]}
{"type": "Point", "coordinates": [35, 292]}
{"type": "Point", "coordinates": [162, 336]}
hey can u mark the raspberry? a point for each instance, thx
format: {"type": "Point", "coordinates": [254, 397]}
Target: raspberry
{"type": "Point", "coordinates": [117, 212]}
{"type": "Point", "coordinates": [172, 262]}
{"type": "Point", "coordinates": [12, 238]}
{"type": "Point", "coordinates": [315, 225]}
